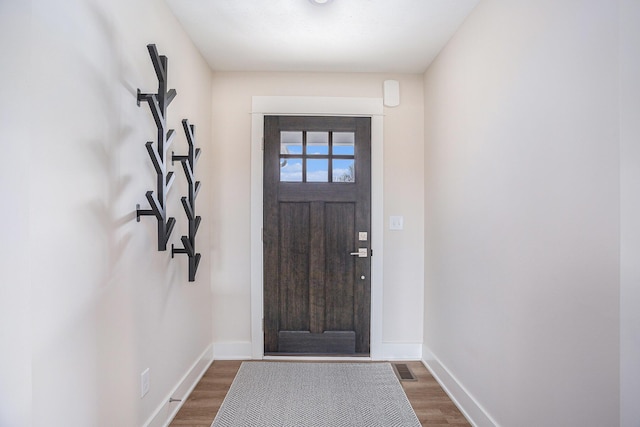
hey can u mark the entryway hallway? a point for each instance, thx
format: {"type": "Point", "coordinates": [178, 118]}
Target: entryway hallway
{"type": "Point", "coordinates": [430, 403]}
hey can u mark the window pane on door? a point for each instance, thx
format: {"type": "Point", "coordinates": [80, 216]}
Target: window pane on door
{"type": "Point", "coordinates": [343, 170]}
{"type": "Point", "coordinates": [314, 156]}
{"type": "Point", "coordinates": [317, 143]}
{"type": "Point", "coordinates": [291, 170]}
{"type": "Point", "coordinates": [290, 142]}
{"type": "Point", "coordinates": [343, 143]}
{"type": "Point", "coordinates": [317, 170]}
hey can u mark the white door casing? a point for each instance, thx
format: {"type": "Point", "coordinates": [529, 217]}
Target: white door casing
{"type": "Point", "coordinates": [317, 106]}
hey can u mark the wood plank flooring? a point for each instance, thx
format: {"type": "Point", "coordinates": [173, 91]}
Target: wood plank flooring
{"type": "Point", "coordinates": [430, 403]}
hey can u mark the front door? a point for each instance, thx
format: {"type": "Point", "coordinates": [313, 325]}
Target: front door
{"type": "Point", "coordinates": [317, 233]}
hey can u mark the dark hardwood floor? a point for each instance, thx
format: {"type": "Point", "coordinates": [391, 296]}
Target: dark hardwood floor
{"type": "Point", "coordinates": [430, 403]}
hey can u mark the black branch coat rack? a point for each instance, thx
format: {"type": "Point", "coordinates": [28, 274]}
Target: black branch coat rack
{"type": "Point", "coordinates": [158, 103]}
{"type": "Point", "coordinates": [189, 202]}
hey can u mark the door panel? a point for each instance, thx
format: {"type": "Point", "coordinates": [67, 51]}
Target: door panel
{"type": "Point", "coordinates": [294, 268]}
{"type": "Point", "coordinates": [339, 284]}
{"type": "Point", "coordinates": [316, 293]}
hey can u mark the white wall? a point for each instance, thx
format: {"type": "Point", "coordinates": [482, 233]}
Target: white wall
{"type": "Point", "coordinates": [630, 213]}
{"type": "Point", "coordinates": [403, 195]}
{"type": "Point", "coordinates": [523, 213]}
{"type": "Point", "coordinates": [15, 291]}
{"type": "Point", "coordinates": [90, 301]}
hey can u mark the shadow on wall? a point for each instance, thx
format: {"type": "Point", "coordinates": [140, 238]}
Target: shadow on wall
{"type": "Point", "coordinates": [85, 352]}
{"type": "Point", "coordinates": [120, 157]}
{"type": "Point", "coordinates": [114, 217]}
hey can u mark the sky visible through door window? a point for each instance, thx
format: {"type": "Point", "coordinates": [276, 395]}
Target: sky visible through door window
{"type": "Point", "coordinates": [327, 156]}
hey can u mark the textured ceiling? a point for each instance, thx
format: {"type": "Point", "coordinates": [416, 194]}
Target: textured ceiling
{"type": "Point", "coordinates": [340, 36]}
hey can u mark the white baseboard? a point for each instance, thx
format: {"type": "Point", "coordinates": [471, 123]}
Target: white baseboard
{"type": "Point", "coordinates": [470, 408]}
{"type": "Point", "coordinates": [165, 413]}
{"type": "Point", "coordinates": [232, 350]}
{"type": "Point", "coordinates": [397, 351]}
{"type": "Point", "coordinates": [386, 351]}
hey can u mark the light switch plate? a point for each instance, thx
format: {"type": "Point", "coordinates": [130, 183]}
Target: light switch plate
{"type": "Point", "coordinates": [396, 222]}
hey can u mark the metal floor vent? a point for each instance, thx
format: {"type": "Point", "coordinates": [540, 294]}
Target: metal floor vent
{"type": "Point", "coordinates": [403, 372]}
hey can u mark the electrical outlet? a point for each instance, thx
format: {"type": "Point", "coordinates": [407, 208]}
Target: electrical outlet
{"type": "Point", "coordinates": [144, 382]}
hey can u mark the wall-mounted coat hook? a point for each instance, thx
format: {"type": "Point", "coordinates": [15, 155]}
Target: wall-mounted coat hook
{"type": "Point", "coordinates": [158, 103]}
{"type": "Point", "coordinates": [189, 202]}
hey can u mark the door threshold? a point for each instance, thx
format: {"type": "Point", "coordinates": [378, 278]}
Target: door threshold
{"type": "Point", "coordinates": [317, 357]}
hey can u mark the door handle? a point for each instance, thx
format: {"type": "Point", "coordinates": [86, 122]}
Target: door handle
{"type": "Point", "coordinates": [362, 253]}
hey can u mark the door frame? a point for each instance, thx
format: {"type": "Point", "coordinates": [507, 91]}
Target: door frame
{"type": "Point", "coordinates": [316, 106]}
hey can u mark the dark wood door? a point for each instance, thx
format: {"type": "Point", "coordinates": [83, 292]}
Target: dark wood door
{"type": "Point", "coordinates": [317, 233]}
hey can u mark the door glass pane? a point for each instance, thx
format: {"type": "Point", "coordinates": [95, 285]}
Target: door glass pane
{"type": "Point", "coordinates": [317, 170]}
{"type": "Point", "coordinates": [317, 143]}
{"type": "Point", "coordinates": [343, 143]}
{"type": "Point", "coordinates": [290, 142]}
{"type": "Point", "coordinates": [343, 170]}
{"type": "Point", "coordinates": [291, 170]}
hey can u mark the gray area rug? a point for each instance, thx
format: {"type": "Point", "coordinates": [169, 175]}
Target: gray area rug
{"type": "Point", "coordinates": [290, 394]}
